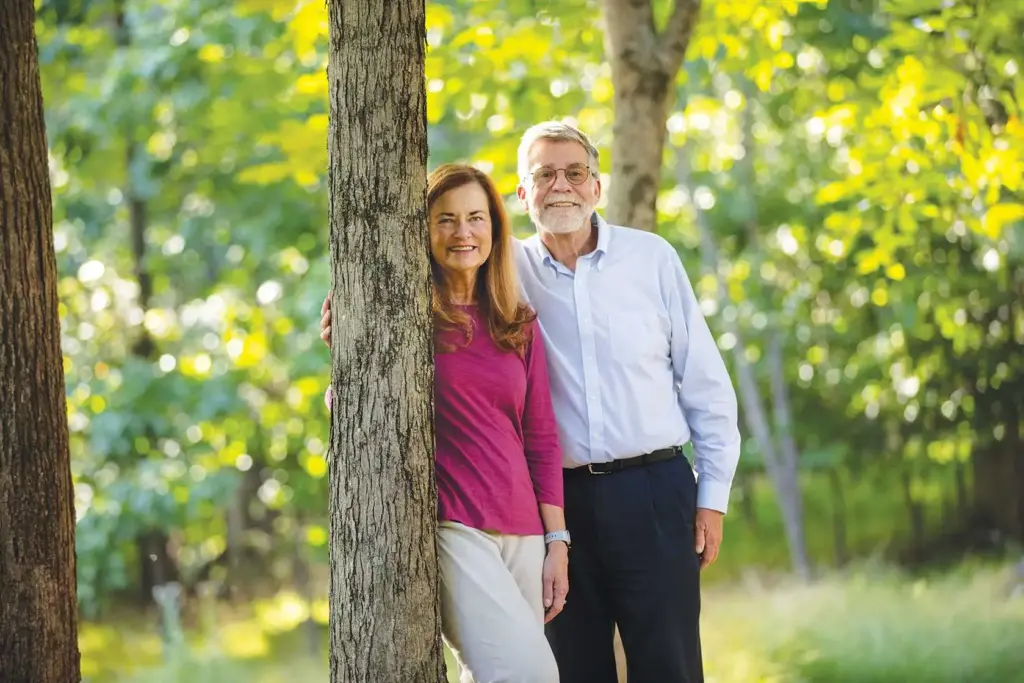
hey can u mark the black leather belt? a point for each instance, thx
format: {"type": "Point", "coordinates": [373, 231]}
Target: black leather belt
{"type": "Point", "coordinates": [625, 463]}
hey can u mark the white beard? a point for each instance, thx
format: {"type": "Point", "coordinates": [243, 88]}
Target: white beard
{"type": "Point", "coordinates": [560, 221]}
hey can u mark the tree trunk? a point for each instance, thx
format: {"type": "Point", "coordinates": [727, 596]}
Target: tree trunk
{"type": "Point", "coordinates": [915, 512]}
{"type": "Point", "coordinates": [998, 498]}
{"type": "Point", "coordinates": [38, 610]}
{"type": "Point", "coordinates": [156, 565]}
{"type": "Point", "coordinates": [644, 66]}
{"type": "Point", "coordinates": [963, 504]}
{"type": "Point", "coordinates": [842, 553]}
{"type": "Point", "coordinates": [782, 472]}
{"type": "Point", "coordinates": [384, 610]}
{"type": "Point", "coordinates": [789, 455]}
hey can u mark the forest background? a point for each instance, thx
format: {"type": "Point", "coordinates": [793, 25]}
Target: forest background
{"type": "Point", "coordinates": [842, 180]}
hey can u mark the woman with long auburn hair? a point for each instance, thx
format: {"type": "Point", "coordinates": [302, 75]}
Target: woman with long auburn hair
{"type": "Point", "coordinates": [502, 543]}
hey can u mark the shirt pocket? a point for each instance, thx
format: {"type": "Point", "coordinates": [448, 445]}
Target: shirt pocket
{"type": "Point", "coordinates": [638, 338]}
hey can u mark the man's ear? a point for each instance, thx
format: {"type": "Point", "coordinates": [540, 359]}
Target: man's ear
{"type": "Point", "coordinates": [597, 188]}
{"type": "Point", "coordinates": [521, 192]}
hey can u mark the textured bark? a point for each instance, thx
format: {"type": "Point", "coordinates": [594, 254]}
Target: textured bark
{"type": "Point", "coordinates": [38, 619]}
{"type": "Point", "coordinates": [385, 617]}
{"type": "Point", "coordinates": [644, 66]}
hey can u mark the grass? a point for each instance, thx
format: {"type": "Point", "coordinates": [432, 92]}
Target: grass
{"type": "Point", "coordinates": [869, 625]}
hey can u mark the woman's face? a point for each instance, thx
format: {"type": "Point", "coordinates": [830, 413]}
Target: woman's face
{"type": "Point", "coordinates": [460, 229]}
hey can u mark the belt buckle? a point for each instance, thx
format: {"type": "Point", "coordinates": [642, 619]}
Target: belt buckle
{"type": "Point", "coordinates": [590, 468]}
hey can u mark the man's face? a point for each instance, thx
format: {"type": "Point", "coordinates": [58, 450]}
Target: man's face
{"type": "Point", "coordinates": [555, 202]}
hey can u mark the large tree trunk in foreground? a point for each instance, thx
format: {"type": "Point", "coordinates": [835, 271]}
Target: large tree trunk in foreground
{"type": "Point", "coordinates": [644, 66]}
{"type": "Point", "coordinates": [38, 619]}
{"type": "Point", "coordinates": [385, 617]}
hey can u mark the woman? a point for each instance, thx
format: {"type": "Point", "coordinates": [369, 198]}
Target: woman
{"type": "Point", "coordinates": [498, 461]}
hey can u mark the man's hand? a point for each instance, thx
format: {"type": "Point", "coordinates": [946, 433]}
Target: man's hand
{"type": "Point", "coordinates": [556, 579]}
{"type": "Point", "coordinates": [325, 320]}
{"type": "Point", "coordinates": [708, 534]}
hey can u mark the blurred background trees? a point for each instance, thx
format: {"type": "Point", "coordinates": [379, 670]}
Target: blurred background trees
{"type": "Point", "coordinates": [842, 180]}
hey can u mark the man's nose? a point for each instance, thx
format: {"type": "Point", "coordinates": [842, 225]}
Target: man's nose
{"type": "Point", "coordinates": [561, 182]}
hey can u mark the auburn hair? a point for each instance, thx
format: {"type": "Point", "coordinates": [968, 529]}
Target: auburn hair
{"type": "Point", "coordinates": [497, 293]}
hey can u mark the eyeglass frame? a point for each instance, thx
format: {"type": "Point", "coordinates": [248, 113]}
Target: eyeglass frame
{"type": "Point", "coordinates": [590, 174]}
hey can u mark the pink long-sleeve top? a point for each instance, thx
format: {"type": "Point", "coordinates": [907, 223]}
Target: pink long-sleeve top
{"type": "Point", "coordinates": [497, 453]}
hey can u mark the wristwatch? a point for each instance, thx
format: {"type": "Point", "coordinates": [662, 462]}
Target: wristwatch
{"type": "Point", "coordinates": [562, 535]}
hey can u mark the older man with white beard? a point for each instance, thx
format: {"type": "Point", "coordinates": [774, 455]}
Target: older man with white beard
{"type": "Point", "coordinates": [635, 374]}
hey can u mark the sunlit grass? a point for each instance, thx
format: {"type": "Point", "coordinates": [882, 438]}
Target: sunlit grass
{"type": "Point", "coordinates": [870, 625]}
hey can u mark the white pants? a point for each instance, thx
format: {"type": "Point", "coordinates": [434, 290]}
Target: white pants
{"type": "Point", "coordinates": [492, 605]}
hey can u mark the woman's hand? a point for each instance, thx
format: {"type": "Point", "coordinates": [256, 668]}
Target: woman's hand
{"type": "Point", "coordinates": [325, 320]}
{"type": "Point", "coordinates": [556, 579]}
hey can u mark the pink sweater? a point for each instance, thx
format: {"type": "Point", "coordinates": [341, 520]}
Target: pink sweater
{"type": "Point", "coordinates": [497, 452]}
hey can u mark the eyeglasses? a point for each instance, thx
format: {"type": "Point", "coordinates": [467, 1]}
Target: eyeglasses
{"type": "Point", "coordinates": [576, 174]}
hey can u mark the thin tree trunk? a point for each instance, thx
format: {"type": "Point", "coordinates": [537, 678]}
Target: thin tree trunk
{"type": "Point", "coordinates": [782, 415]}
{"type": "Point", "coordinates": [914, 511]}
{"type": "Point", "coordinates": [756, 416]}
{"type": "Point", "coordinates": [842, 553]}
{"type": "Point", "coordinates": [963, 504]}
{"type": "Point", "coordinates": [644, 66]}
{"type": "Point", "coordinates": [384, 610]}
{"type": "Point", "coordinates": [38, 606]}
{"type": "Point", "coordinates": [789, 455]}
{"type": "Point", "coordinates": [156, 566]}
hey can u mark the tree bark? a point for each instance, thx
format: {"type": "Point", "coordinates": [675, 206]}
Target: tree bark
{"type": "Point", "coordinates": [644, 66]}
{"type": "Point", "coordinates": [385, 615]}
{"type": "Point", "coordinates": [38, 611]}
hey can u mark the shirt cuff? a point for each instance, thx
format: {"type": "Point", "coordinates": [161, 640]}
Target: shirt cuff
{"type": "Point", "coordinates": [712, 494]}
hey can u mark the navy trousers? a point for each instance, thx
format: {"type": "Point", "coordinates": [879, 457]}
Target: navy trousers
{"type": "Point", "coordinates": [633, 564]}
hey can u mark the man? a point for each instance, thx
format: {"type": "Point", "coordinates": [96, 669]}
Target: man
{"type": "Point", "coordinates": [635, 374]}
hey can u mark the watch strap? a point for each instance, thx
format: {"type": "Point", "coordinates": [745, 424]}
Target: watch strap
{"type": "Point", "coordinates": [561, 535]}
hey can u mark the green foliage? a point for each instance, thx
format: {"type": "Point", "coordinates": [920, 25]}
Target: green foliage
{"type": "Point", "coordinates": [859, 165]}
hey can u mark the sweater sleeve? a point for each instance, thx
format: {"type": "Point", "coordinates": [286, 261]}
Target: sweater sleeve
{"type": "Point", "coordinates": [540, 431]}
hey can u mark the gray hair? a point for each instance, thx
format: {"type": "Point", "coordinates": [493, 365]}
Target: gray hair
{"type": "Point", "coordinates": [555, 130]}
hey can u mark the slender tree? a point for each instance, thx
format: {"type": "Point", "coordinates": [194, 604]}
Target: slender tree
{"type": "Point", "coordinates": [385, 617]}
{"type": "Point", "coordinates": [38, 620]}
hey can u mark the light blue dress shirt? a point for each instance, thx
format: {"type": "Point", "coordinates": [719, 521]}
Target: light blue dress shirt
{"type": "Point", "coordinates": [632, 364]}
